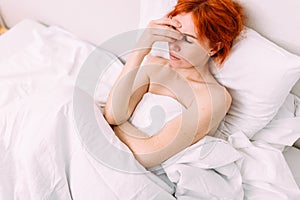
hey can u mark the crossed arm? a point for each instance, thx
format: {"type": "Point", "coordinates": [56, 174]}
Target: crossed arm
{"type": "Point", "coordinates": [175, 136]}
{"type": "Point", "coordinates": [130, 87]}
{"type": "Point", "coordinates": [126, 93]}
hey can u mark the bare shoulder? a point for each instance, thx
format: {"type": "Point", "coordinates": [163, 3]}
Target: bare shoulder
{"type": "Point", "coordinates": [156, 68]}
{"type": "Point", "coordinates": [222, 93]}
{"type": "Point", "coordinates": [213, 95]}
{"type": "Point", "coordinates": [215, 102]}
{"type": "Point", "coordinates": [151, 65]}
{"type": "Point", "coordinates": [228, 99]}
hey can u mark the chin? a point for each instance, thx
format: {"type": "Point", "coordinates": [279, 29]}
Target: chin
{"type": "Point", "coordinates": [174, 64]}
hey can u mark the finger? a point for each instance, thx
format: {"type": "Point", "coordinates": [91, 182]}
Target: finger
{"type": "Point", "coordinates": [168, 32]}
{"type": "Point", "coordinates": [162, 38]}
{"type": "Point", "coordinates": [168, 22]}
{"type": "Point", "coordinates": [175, 21]}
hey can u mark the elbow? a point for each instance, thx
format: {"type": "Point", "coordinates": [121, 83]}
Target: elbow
{"type": "Point", "coordinates": [108, 115]}
{"type": "Point", "coordinates": [112, 118]}
{"type": "Point", "coordinates": [151, 157]}
{"type": "Point", "coordinates": [146, 160]}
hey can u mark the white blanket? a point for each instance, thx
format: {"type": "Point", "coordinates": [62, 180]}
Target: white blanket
{"type": "Point", "coordinates": [42, 155]}
{"type": "Point", "coordinates": [212, 168]}
{"type": "Point", "coordinates": [54, 144]}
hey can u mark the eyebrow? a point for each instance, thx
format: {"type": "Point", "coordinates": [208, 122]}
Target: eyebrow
{"type": "Point", "coordinates": [186, 34]}
{"type": "Point", "coordinates": [190, 35]}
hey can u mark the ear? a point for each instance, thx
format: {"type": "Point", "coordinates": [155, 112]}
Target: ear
{"type": "Point", "coordinates": [217, 47]}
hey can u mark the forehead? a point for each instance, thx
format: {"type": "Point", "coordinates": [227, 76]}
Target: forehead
{"type": "Point", "coordinates": [187, 24]}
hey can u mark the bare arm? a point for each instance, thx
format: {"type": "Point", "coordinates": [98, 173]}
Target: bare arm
{"type": "Point", "coordinates": [175, 136]}
{"type": "Point", "coordinates": [127, 91]}
{"type": "Point", "coordinates": [133, 83]}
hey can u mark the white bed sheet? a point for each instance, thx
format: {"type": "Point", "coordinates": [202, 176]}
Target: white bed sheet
{"type": "Point", "coordinates": [292, 156]}
{"type": "Point", "coordinates": [81, 160]}
{"type": "Point", "coordinates": [43, 158]}
{"type": "Point", "coordinates": [18, 37]}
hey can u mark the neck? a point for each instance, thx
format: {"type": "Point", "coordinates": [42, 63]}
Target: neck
{"type": "Point", "coordinates": [192, 73]}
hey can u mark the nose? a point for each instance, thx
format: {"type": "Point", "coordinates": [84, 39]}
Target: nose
{"type": "Point", "coordinates": [174, 46]}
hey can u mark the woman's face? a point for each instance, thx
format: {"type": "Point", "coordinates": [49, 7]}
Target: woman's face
{"type": "Point", "coordinates": [189, 51]}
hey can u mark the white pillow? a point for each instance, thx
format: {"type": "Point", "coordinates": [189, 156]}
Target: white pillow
{"type": "Point", "coordinates": [283, 28]}
{"type": "Point", "coordinates": [259, 75]}
{"type": "Point", "coordinates": [262, 16]}
{"type": "Point", "coordinates": [277, 20]}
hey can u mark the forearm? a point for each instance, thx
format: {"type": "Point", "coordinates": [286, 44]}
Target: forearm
{"type": "Point", "coordinates": [151, 151]}
{"type": "Point", "coordinates": [142, 146]}
{"type": "Point", "coordinates": [118, 109]}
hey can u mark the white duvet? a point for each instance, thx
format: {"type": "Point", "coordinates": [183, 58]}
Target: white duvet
{"type": "Point", "coordinates": [52, 148]}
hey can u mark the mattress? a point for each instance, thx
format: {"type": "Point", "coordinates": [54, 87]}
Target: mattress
{"type": "Point", "coordinates": [21, 35]}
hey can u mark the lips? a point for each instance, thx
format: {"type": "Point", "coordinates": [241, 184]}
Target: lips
{"type": "Point", "coordinates": [172, 57]}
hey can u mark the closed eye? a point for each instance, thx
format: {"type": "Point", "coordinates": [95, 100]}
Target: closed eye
{"type": "Point", "coordinates": [185, 38]}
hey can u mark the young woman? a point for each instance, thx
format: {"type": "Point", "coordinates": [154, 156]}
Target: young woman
{"type": "Point", "coordinates": [196, 30]}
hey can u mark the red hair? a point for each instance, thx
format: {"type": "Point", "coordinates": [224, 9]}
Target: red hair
{"type": "Point", "coordinates": [215, 20]}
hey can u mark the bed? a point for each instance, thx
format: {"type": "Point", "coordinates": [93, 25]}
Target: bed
{"type": "Point", "coordinates": [50, 148]}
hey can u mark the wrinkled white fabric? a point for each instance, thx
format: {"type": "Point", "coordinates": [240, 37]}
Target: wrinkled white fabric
{"type": "Point", "coordinates": [284, 129]}
{"type": "Point", "coordinates": [205, 170]}
{"type": "Point", "coordinates": [42, 155]}
{"type": "Point", "coordinates": [46, 154]}
{"type": "Point", "coordinates": [264, 170]}
{"type": "Point", "coordinates": [238, 169]}
{"type": "Point", "coordinates": [153, 111]}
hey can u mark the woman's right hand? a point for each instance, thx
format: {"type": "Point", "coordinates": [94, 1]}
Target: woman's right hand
{"type": "Point", "coordinates": [160, 30]}
{"type": "Point", "coordinates": [129, 89]}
